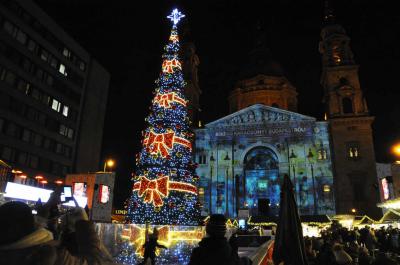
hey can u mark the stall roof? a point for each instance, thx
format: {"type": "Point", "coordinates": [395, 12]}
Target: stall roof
{"type": "Point", "coordinates": [262, 220]}
{"type": "Point", "coordinates": [4, 164]}
{"type": "Point", "coordinates": [363, 220]}
{"type": "Point", "coordinates": [315, 219]}
{"type": "Point", "coordinates": [390, 216]}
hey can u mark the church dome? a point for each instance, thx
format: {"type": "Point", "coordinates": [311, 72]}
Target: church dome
{"type": "Point", "coordinates": [260, 61]}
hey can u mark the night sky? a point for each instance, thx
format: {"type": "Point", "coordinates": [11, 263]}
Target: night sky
{"type": "Point", "coordinates": [127, 39]}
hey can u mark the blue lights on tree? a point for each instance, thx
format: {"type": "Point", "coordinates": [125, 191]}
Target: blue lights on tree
{"type": "Point", "coordinates": [165, 184]}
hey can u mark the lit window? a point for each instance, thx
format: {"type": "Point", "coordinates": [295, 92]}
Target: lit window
{"type": "Point", "coordinates": [322, 154]}
{"type": "Point", "coordinates": [63, 130]}
{"type": "Point", "coordinates": [66, 53]}
{"type": "Point", "coordinates": [70, 133]}
{"type": "Point", "coordinates": [56, 105]}
{"type": "Point", "coordinates": [65, 111]}
{"type": "Point", "coordinates": [62, 69]}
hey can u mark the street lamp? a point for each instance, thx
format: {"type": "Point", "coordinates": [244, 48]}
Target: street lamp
{"type": "Point", "coordinates": [212, 160]}
{"type": "Point", "coordinates": [310, 157]}
{"type": "Point", "coordinates": [291, 164]}
{"type": "Point", "coordinates": [227, 158]}
{"type": "Point", "coordinates": [396, 152]}
{"type": "Point", "coordinates": [109, 163]}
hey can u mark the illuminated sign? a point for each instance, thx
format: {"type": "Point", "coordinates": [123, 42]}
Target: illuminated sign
{"type": "Point", "coordinates": [385, 188]}
{"type": "Point", "coordinates": [25, 192]}
{"type": "Point", "coordinates": [120, 212]}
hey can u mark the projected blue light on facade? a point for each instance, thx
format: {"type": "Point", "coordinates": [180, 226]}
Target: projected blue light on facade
{"type": "Point", "coordinates": [243, 157]}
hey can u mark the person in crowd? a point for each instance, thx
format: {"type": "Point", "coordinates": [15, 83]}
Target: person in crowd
{"type": "Point", "coordinates": [150, 247]}
{"type": "Point", "coordinates": [24, 242]}
{"type": "Point", "coordinates": [234, 242]}
{"type": "Point", "coordinates": [310, 252]}
{"type": "Point", "coordinates": [363, 257]}
{"type": "Point", "coordinates": [341, 256]}
{"type": "Point", "coordinates": [214, 249]}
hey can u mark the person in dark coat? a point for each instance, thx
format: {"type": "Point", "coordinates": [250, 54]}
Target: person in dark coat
{"type": "Point", "coordinates": [234, 242]}
{"type": "Point", "coordinates": [23, 242]}
{"type": "Point", "coordinates": [214, 249]}
{"type": "Point", "coordinates": [150, 248]}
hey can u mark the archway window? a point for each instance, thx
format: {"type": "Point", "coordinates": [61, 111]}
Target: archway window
{"type": "Point", "coordinates": [347, 105]}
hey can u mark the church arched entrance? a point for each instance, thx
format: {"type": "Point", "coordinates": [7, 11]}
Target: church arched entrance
{"type": "Point", "coordinates": [261, 180]}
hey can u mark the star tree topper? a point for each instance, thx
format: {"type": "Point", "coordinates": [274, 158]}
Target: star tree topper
{"type": "Point", "coordinates": [175, 16]}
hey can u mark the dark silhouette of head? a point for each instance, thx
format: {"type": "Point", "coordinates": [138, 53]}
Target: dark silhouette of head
{"type": "Point", "coordinates": [216, 226]}
{"type": "Point", "coordinates": [16, 222]}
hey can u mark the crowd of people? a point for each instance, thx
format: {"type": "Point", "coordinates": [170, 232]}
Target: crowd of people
{"type": "Point", "coordinates": [50, 237]}
{"type": "Point", "coordinates": [365, 246]}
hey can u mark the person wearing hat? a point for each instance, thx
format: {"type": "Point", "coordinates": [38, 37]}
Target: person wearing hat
{"type": "Point", "coordinates": [214, 249]}
{"type": "Point", "coordinates": [24, 242]}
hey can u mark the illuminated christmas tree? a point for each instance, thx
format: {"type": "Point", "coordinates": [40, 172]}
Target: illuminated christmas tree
{"type": "Point", "coordinates": [165, 184]}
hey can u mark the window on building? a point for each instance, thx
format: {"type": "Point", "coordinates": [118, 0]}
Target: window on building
{"type": "Point", "coordinates": [45, 99]}
{"type": "Point", "coordinates": [44, 55]}
{"type": "Point", "coordinates": [63, 130]}
{"type": "Point", "coordinates": [49, 80]}
{"type": "Point", "coordinates": [70, 133]}
{"type": "Point", "coordinates": [65, 110]}
{"type": "Point", "coordinates": [42, 118]}
{"type": "Point", "coordinates": [26, 135]}
{"type": "Point", "coordinates": [56, 105]}
{"type": "Point", "coordinates": [12, 129]}
{"type": "Point", "coordinates": [33, 161]}
{"type": "Point", "coordinates": [353, 150]}
{"type": "Point", "coordinates": [82, 66]}
{"type": "Point", "coordinates": [39, 74]}
{"type": "Point", "coordinates": [8, 154]}
{"type": "Point", "coordinates": [66, 53]}
{"type": "Point", "coordinates": [47, 143]}
{"type": "Point", "coordinates": [37, 140]}
{"type": "Point", "coordinates": [27, 65]}
{"type": "Point", "coordinates": [54, 62]}
{"type": "Point", "coordinates": [62, 69]}
{"type": "Point", "coordinates": [21, 85]}
{"type": "Point", "coordinates": [22, 156]}
{"type": "Point", "coordinates": [59, 148]}
{"type": "Point", "coordinates": [67, 151]}
{"type": "Point", "coordinates": [10, 78]}
{"type": "Point", "coordinates": [347, 105]}
{"type": "Point", "coordinates": [35, 94]}
{"type": "Point", "coordinates": [21, 37]}
{"type": "Point", "coordinates": [32, 46]}
{"type": "Point", "coordinates": [321, 154]}
{"type": "Point", "coordinates": [10, 28]}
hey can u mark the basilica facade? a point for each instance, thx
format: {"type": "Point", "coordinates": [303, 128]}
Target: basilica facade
{"type": "Point", "coordinates": [243, 156]}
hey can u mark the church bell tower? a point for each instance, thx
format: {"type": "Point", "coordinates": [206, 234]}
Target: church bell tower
{"type": "Point", "coordinates": [350, 123]}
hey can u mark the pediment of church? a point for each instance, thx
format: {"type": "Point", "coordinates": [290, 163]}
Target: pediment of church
{"type": "Point", "coordinates": [258, 114]}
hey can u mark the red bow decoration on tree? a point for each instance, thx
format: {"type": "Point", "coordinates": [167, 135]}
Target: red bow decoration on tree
{"type": "Point", "coordinates": [153, 190]}
{"type": "Point", "coordinates": [163, 142]}
{"type": "Point", "coordinates": [156, 189]}
{"type": "Point", "coordinates": [169, 65]}
{"type": "Point", "coordinates": [165, 100]}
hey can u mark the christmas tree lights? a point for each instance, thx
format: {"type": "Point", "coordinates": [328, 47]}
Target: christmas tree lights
{"type": "Point", "coordinates": [165, 184]}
